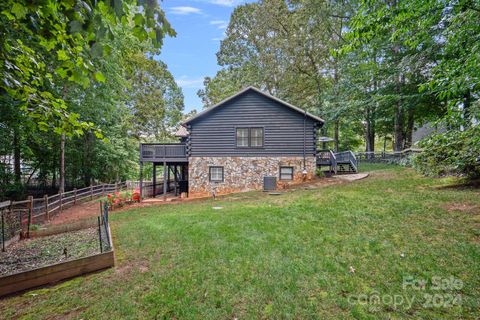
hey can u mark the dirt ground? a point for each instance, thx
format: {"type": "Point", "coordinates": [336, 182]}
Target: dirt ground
{"type": "Point", "coordinates": [38, 252]}
{"type": "Point", "coordinates": [77, 212]}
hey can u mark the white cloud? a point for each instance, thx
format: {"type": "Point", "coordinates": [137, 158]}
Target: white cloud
{"type": "Point", "coordinates": [185, 10]}
{"type": "Point", "coordinates": [226, 3]}
{"type": "Point", "coordinates": [221, 24]}
{"type": "Point", "coordinates": [217, 39]}
{"type": "Point", "coordinates": [186, 82]}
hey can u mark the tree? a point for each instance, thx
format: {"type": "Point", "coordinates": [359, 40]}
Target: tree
{"type": "Point", "coordinates": [155, 100]}
{"type": "Point", "coordinates": [73, 32]}
{"type": "Point", "coordinates": [439, 63]}
{"type": "Point", "coordinates": [85, 86]}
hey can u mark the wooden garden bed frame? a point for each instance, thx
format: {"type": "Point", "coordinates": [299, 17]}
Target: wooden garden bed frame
{"type": "Point", "coordinates": [56, 272]}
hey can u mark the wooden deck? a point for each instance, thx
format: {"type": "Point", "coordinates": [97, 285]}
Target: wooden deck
{"type": "Point", "coordinates": [163, 152]}
{"type": "Point", "coordinates": [340, 162]}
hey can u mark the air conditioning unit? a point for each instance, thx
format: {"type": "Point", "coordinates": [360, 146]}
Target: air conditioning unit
{"type": "Point", "coordinates": [269, 183]}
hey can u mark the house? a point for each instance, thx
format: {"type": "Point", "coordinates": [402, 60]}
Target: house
{"type": "Point", "coordinates": [235, 144]}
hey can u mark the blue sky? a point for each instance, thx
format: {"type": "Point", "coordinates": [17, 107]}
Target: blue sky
{"type": "Point", "coordinates": [190, 56]}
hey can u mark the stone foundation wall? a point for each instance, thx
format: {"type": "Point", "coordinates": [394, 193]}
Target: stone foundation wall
{"type": "Point", "coordinates": [244, 173]}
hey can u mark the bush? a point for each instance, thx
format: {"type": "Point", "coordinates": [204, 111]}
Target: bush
{"type": "Point", "coordinates": [451, 153]}
{"type": "Point", "coordinates": [319, 173]}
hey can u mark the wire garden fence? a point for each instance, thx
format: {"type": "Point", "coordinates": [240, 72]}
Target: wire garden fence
{"type": "Point", "coordinates": [17, 217]}
{"type": "Point", "coordinates": [41, 251]}
{"type": "Point", "coordinates": [104, 237]}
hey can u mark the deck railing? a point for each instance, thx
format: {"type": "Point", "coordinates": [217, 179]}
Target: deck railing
{"type": "Point", "coordinates": [347, 156]}
{"type": "Point", "coordinates": [327, 158]}
{"type": "Point", "coordinates": [160, 152]}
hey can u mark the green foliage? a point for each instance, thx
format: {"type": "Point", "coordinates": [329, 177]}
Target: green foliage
{"type": "Point", "coordinates": [156, 102]}
{"type": "Point", "coordinates": [438, 41]}
{"type": "Point", "coordinates": [41, 41]}
{"type": "Point", "coordinates": [452, 152]}
{"type": "Point", "coordinates": [88, 62]}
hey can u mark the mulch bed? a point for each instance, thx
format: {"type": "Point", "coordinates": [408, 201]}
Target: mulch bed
{"type": "Point", "coordinates": [39, 252]}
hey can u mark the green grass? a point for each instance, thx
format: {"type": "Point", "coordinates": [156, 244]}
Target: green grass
{"type": "Point", "coordinates": [284, 257]}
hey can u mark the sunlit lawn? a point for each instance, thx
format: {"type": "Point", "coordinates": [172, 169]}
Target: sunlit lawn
{"type": "Point", "coordinates": [302, 255]}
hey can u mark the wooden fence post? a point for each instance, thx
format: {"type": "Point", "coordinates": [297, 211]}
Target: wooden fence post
{"type": "Point", "coordinates": [116, 186]}
{"type": "Point", "coordinates": [45, 202]}
{"type": "Point", "coordinates": [10, 209]}
{"type": "Point", "coordinates": [30, 205]}
{"type": "Point", "coordinates": [75, 196]}
{"type": "Point", "coordinates": [103, 190]}
{"type": "Point", "coordinates": [60, 199]}
{"type": "Point", "coordinates": [91, 192]}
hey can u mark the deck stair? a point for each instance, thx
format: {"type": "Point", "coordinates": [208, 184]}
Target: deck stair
{"type": "Point", "coordinates": [340, 162]}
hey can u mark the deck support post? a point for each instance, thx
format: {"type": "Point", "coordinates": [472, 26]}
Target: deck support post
{"type": "Point", "coordinates": [175, 174]}
{"type": "Point", "coordinates": [154, 179]}
{"type": "Point", "coordinates": [168, 178]}
{"type": "Point", "coordinates": [165, 173]}
{"type": "Point", "coordinates": [141, 181]}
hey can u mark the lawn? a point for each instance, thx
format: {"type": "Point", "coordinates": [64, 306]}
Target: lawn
{"type": "Point", "coordinates": [307, 254]}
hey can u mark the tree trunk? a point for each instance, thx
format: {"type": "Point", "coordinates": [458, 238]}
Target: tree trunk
{"type": "Point", "coordinates": [370, 130]}
{"type": "Point", "coordinates": [54, 172]}
{"type": "Point", "coordinates": [371, 115]}
{"type": "Point", "coordinates": [16, 156]}
{"type": "Point", "coordinates": [398, 120]}
{"type": "Point", "coordinates": [337, 121]}
{"type": "Point", "coordinates": [409, 131]}
{"type": "Point", "coordinates": [399, 139]}
{"type": "Point", "coordinates": [61, 184]}
{"type": "Point", "coordinates": [87, 172]}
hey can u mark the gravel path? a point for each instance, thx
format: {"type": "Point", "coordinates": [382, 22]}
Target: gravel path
{"type": "Point", "coordinates": [39, 252]}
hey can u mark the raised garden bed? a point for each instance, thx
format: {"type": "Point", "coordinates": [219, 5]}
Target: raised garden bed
{"type": "Point", "coordinates": [38, 252]}
{"type": "Point", "coordinates": [39, 261]}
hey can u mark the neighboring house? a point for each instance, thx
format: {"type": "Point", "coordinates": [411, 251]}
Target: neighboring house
{"type": "Point", "coordinates": [425, 131]}
{"type": "Point", "coordinates": [233, 145]}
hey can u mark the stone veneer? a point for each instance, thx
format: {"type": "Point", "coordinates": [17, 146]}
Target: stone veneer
{"type": "Point", "coordinates": [243, 173]}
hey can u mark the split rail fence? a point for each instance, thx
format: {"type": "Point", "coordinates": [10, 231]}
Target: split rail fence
{"type": "Point", "coordinates": [386, 157]}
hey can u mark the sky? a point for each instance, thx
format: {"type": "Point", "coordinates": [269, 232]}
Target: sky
{"type": "Point", "coordinates": [190, 56]}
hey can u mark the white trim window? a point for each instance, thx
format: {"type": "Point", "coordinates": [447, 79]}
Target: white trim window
{"type": "Point", "coordinates": [215, 174]}
{"type": "Point", "coordinates": [256, 137]}
{"type": "Point", "coordinates": [286, 173]}
{"type": "Point", "coordinates": [242, 137]}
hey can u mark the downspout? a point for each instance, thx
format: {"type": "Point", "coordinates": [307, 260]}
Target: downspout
{"type": "Point", "coordinates": [304, 143]}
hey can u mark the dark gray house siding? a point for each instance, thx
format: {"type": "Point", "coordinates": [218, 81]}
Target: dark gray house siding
{"type": "Point", "coordinates": [215, 133]}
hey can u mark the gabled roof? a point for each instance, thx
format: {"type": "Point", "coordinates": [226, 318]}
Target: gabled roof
{"type": "Point", "coordinates": [250, 88]}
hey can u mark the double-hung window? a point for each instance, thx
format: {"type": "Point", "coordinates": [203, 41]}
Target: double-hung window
{"type": "Point", "coordinates": [242, 137]}
{"type": "Point", "coordinates": [256, 137]}
{"type": "Point", "coordinates": [216, 174]}
{"type": "Point", "coordinates": [286, 173]}
{"type": "Point", "coordinates": [249, 137]}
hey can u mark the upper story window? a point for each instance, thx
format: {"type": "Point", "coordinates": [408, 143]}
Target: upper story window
{"type": "Point", "coordinates": [242, 137]}
{"type": "Point", "coordinates": [256, 137]}
{"type": "Point", "coordinates": [250, 137]}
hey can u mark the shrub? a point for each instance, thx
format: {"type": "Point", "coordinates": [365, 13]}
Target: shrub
{"type": "Point", "coordinates": [319, 173]}
{"type": "Point", "coordinates": [451, 153]}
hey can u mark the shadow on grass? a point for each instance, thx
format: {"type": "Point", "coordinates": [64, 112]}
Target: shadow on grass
{"type": "Point", "coordinates": [462, 185]}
